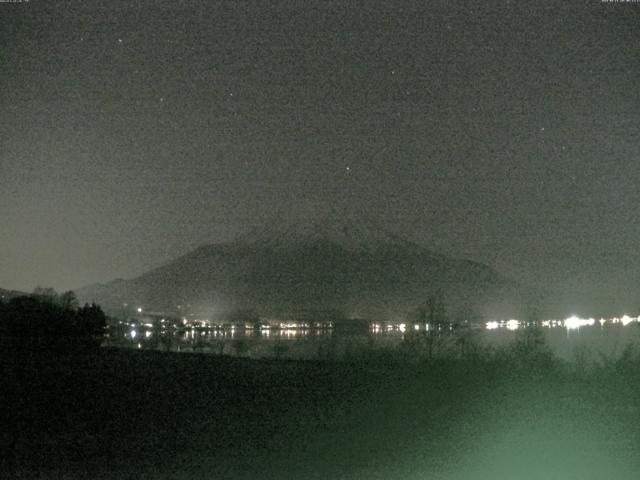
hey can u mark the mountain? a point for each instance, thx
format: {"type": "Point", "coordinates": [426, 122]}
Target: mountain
{"type": "Point", "coordinates": [349, 265]}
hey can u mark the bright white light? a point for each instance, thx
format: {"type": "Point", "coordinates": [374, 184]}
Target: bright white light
{"type": "Point", "coordinates": [147, 334]}
{"type": "Point", "coordinates": [416, 327]}
{"type": "Point", "coordinates": [546, 323]}
{"type": "Point", "coordinates": [133, 334]}
{"type": "Point", "coordinates": [574, 322]}
{"type": "Point", "coordinates": [139, 309]}
{"type": "Point", "coordinates": [402, 327]}
{"type": "Point", "coordinates": [492, 325]}
{"type": "Point", "coordinates": [602, 321]}
{"type": "Point", "coordinates": [626, 320]}
{"type": "Point", "coordinates": [513, 324]}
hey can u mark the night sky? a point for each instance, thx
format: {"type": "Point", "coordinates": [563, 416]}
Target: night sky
{"type": "Point", "coordinates": [505, 132]}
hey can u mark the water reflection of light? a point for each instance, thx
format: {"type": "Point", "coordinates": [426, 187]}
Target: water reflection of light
{"type": "Point", "coordinates": [513, 324]}
{"type": "Point", "coordinates": [492, 325]}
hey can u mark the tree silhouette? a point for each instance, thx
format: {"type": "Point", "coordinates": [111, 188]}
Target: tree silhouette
{"type": "Point", "coordinates": [46, 322]}
{"type": "Point", "coordinates": [436, 310]}
{"type": "Point", "coordinates": [68, 300]}
{"type": "Point", "coordinates": [45, 294]}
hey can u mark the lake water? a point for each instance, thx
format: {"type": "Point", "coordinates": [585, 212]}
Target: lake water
{"type": "Point", "coordinates": [609, 339]}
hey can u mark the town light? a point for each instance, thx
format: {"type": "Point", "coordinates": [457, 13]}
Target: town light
{"type": "Point", "coordinates": [574, 322]}
{"type": "Point", "coordinates": [513, 324]}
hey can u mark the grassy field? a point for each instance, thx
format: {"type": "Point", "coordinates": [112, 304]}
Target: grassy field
{"type": "Point", "coordinates": [120, 414]}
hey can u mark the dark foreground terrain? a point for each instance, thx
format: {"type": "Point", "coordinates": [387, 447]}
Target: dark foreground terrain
{"type": "Point", "coordinates": [118, 414]}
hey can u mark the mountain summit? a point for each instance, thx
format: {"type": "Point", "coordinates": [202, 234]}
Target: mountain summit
{"type": "Point", "coordinates": [349, 232]}
{"type": "Point", "coordinates": [348, 265]}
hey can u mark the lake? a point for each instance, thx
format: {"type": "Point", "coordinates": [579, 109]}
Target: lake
{"type": "Point", "coordinates": [565, 338]}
